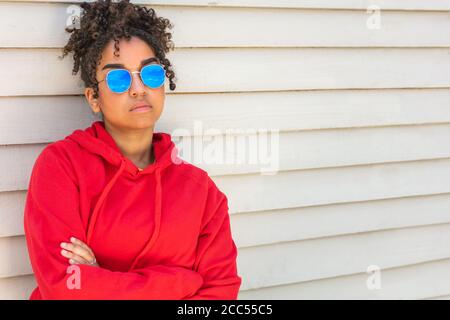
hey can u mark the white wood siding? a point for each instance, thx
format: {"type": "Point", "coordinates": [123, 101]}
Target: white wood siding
{"type": "Point", "coordinates": [364, 123]}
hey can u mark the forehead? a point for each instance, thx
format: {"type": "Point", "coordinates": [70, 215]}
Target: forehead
{"type": "Point", "coordinates": [131, 53]}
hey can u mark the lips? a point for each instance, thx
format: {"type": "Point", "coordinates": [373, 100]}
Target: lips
{"type": "Point", "coordinates": [140, 106]}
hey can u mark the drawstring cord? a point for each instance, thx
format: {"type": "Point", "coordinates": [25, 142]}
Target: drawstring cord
{"type": "Point", "coordinates": [101, 201]}
{"type": "Point", "coordinates": [158, 205]}
{"type": "Point", "coordinates": [158, 202]}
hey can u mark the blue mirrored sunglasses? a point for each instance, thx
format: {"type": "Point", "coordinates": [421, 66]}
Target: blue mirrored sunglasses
{"type": "Point", "coordinates": [119, 80]}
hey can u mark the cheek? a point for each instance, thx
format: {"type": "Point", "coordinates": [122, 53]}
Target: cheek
{"type": "Point", "coordinates": [158, 97]}
{"type": "Point", "coordinates": [158, 101]}
{"type": "Point", "coordinates": [114, 104]}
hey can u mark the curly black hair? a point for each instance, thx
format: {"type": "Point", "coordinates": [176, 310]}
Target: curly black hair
{"type": "Point", "coordinates": [104, 20]}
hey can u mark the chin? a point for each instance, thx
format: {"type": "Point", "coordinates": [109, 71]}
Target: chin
{"type": "Point", "coordinates": [142, 123]}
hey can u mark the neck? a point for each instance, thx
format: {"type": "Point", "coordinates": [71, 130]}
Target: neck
{"type": "Point", "coordinates": [136, 145]}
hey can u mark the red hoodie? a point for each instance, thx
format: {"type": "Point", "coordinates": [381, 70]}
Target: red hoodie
{"type": "Point", "coordinates": [158, 233]}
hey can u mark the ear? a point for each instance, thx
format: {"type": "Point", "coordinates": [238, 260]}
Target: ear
{"type": "Point", "coordinates": [94, 103]}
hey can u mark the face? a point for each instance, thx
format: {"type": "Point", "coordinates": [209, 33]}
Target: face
{"type": "Point", "coordinates": [116, 107]}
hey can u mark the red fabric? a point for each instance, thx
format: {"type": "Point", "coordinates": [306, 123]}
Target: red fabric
{"type": "Point", "coordinates": [160, 233]}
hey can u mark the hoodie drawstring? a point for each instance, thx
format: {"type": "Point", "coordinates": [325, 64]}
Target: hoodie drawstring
{"type": "Point", "coordinates": [158, 203]}
{"type": "Point", "coordinates": [101, 200]}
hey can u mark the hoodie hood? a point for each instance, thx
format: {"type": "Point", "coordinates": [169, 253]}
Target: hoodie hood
{"type": "Point", "coordinates": [97, 140]}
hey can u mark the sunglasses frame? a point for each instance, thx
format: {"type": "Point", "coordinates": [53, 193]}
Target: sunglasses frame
{"type": "Point", "coordinates": [131, 76]}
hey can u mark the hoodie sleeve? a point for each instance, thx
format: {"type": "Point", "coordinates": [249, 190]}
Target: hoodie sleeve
{"type": "Point", "coordinates": [52, 216]}
{"type": "Point", "coordinates": [216, 251]}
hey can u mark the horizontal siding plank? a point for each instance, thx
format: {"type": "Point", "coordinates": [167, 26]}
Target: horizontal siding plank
{"type": "Point", "coordinates": [243, 27]}
{"type": "Point", "coordinates": [291, 189]}
{"type": "Point", "coordinates": [12, 206]}
{"type": "Point", "coordinates": [47, 119]}
{"type": "Point", "coordinates": [329, 4]}
{"type": "Point", "coordinates": [14, 257]}
{"type": "Point", "coordinates": [321, 148]}
{"type": "Point", "coordinates": [295, 224]}
{"type": "Point", "coordinates": [17, 288]}
{"type": "Point", "coordinates": [418, 281]}
{"type": "Point", "coordinates": [305, 28]}
{"type": "Point", "coordinates": [307, 260]}
{"type": "Point", "coordinates": [50, 118]}
{"type": "Point", "coordinates": [238, 70]}
{"type": "Point", "coordinates": [23, 165]}
{"type": "Point", "coordinates": [285, 151]}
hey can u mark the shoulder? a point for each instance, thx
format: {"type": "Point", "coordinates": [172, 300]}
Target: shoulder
{"type": "Point", "coordinates": [198, 176]}
{"type": "Point", "coordinates": [191, 172]}
{"type": "Point", "coordinates": [63, 150]}
{"type": "Point", "coordinates": [55, 159]}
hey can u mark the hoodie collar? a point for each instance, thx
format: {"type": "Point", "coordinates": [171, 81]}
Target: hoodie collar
{"type": "Point", "coordinates": [96, 139]}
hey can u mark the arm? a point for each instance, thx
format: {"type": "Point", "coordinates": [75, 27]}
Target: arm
{"type": "Point", "coordinates": [217, 252]}
{"type": "Point", "coordinates": [52, 216]}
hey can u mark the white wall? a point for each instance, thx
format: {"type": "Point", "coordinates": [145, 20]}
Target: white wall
{"type": "Point", "coordinates": [364, 124]}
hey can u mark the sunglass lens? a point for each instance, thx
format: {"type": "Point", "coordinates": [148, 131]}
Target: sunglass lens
{"type": "Point", "coordinates": [153, 75]}
{"type": "Point", "coordinates": [118, 80]}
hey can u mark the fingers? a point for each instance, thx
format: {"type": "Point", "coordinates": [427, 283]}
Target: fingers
{"type": "Point", "coordinates": [82, 244]}
{"type": "Point", "coordinates": [73, 258]}
{"type": "Point", "coordinates": [78, 251]}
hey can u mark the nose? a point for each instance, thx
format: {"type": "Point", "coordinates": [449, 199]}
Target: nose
{"type": "Point", "coordinates": [137, 87]}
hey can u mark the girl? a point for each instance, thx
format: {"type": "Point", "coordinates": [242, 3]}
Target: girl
{"type": "Point", "coordinates": [112, 212]}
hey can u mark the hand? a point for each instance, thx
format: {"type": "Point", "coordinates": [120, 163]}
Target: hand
{"type": "Point", "coordinates": [78, 252]}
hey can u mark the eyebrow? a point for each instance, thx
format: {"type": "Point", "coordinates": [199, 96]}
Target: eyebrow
{"type": "Point", "coordinates": [119, 65]}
